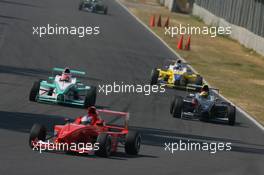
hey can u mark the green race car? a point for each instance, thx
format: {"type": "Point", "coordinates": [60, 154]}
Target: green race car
{"type": "Point", "coordinates": [63, 87]}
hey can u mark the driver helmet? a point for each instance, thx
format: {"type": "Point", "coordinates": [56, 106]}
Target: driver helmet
{"type": "Point", "coordinates": [204, 91]}
{"type": "Point", "coordinates": [92, 111]}
{"type": "Point", "coordinates": [66, 74]}
{"type": "Point", "coordinates": [67, 70]}
{"type": "Point", "coordinates": [178, 65]}
{"type": "Point", "coordinates": [179, 61]}
{"type": "Point", "coordinates": [205, 88]}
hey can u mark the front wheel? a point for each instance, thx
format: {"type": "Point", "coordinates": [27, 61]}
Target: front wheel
{"type": "Point", "coordinates": [105, 10]}
{"type": "Point", "coordinates": [172, 106]}
{"type": "Point", "coordinates": [34, 91]}
{"type": "Point", "coordinates": [90, 97]}
{"type": "Point", "coordinates": [177, 107]}
{"type": "Point", "coordinates": [80, 6]}
{"type": "Point", "coordinates": [38, 132]}
{"type": "Point", "coordinates": [132, 143]}
{"type": "Point", "coordinates": [105, 145]}
{"type": "Point", "coordinates": [154, 76]}
{"type": "Point", "coordinates": [231, 114]}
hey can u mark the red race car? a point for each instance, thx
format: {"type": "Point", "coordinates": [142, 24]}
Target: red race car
{"type": "Point", "coordinates": [96, 137]}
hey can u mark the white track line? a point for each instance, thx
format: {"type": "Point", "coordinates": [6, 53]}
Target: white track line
{"type": "Point", "coordinates": [177, 55]}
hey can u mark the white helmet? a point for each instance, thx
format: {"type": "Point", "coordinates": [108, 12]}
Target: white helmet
{"type": "Point", "coordinates": [86, 120]}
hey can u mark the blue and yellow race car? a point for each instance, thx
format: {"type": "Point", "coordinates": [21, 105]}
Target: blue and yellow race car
{"type": "Point", "coordinates": [176, 75]}
{"type": "Point", "coordinates": [63, 87]}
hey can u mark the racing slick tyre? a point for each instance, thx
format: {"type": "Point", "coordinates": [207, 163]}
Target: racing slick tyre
{"type": "Point", "coordinates": [231, 114]}
{"type": "Point", "coordinates": [90, 97]}
{"type": "Point", "coordinates": [34, 91]}
{"type": "Point", "coordinates": [177, 107]}
{"type": "Point", "coordinates": [172, 106]}
{"type": "Point", "coordinates": [154, 76]}
{"type": "Point", "coordinates": [38, 132]}
{"type": "Point", "coordinates": [105, 145]}
{"type": "Point", "coordinates": [132, 143]}
{"type": "Point", "coordinates": [199, 80]}
{"type": "Point", "coordinates": [106, 10]}
{"type": "Point", "coordinates": [80, 6]}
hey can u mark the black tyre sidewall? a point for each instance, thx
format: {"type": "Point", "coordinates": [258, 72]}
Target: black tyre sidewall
{"type": "Point", "coordinates": [132, 143]}
{"type": "Point", "coordinates": [34, 91]}
{"type": "Point", "coordinates": [178, 105]}
{"type": "Point", "coordinates": [38, 132]}
{"type": "Point", "coordinates": [105, 10]}
{"type": "Point", "coordinates": [90, 98]}
{"type": "Point", "coordinates": [231, 113]}
{"type": "Point", "coordinates": [172, 106]}
{"type": "Point", "coordinates": [104, 140]}
{"type": "Point", "coordinates": [154, 76]}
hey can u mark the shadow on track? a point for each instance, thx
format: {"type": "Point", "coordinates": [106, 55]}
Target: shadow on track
{"type": "Point", "coordinates": [38, 73]}
{"type": "Point", "coordinates": [13, 17]}
{"type": "Point", "coordinates": [119, 155]}
{"type": "Point", "coordinates": [28, 72]}
{"type": "Point", "coordinates": [4, 23]}
{"type": "Point", "coordinates": [217, 122]}
{"type": "Point", "coordinates": [19, 3]}
{"type": "Point", "coordinates": [22, 122]}
{"type": "Point", "coordinates": [158, 137]}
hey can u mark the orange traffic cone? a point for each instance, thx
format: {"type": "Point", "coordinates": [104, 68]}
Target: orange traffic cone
{"type": "Point", "coordinates": [188, 44]}
{"type": "Point", "coordinates": [159, 21]}
{"type": "Point", "coordinates": [180, 43]}
{"type": "Point", "coordinates": [167, 23]}
{"type": "Point", "coordinates": [152, 21]}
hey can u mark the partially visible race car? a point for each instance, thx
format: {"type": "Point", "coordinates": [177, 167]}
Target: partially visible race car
{"type": "Point", "coordinates": [103, 137]}
{"type": "Point", "coordinates": [69, 91]}
{"type": "Point", "coordinates": [205, 107]}
{"type": "Point", "coordinates": [176, 75]}
{"type": "Point", "coordinates": [96, 6]}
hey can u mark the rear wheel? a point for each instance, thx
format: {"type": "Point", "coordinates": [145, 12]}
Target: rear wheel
{"type": "Point", "coordinates": [177, 107]}
{"type": "Point", "coordinates": [132, 143]}
{"type": "Point", "coordinates": [38, 132]}
{"type": "Point", "coordinates": [105, 10]}
{"type": "Point", "coordinates": [172, 106]}
{"type": "Point", "coordinates": [105, 145]}
{"type": "Point", "coordinates": [231, 114]}
{"type": "Point", "coordinates": [90, 97]}
{"type": "Point", "coordinates": [154, 76]}
{"type": "Point", "coordinates": [80, 6]}
{"type": "Point", "coordinates": [34, 91]}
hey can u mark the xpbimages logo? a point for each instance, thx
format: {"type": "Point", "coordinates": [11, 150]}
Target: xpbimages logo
{"type": "Point", "coordinates": [79, 31]}
{"type": "Point", "coordinates": [197, 30]}
{"type": "Point", "coordinates": [78, 147]}
{"type": "Point", "coordinates": [212, 147]}
{"type": "Point", "coordinates": [131, 88]}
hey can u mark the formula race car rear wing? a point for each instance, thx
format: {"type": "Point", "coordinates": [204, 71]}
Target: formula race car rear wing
{"type": "Point", "coordinates": [74, 72]}
{"type": "Point", "coordinates": [124, 115]}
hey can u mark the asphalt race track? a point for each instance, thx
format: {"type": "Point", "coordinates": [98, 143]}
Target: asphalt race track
{"type": "Point", "coordinates": [124, 52]}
